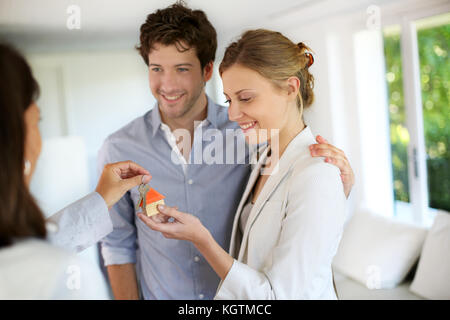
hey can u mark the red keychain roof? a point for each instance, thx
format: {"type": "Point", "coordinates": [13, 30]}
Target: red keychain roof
{"type": "Point", "coordinates": [152, 196]}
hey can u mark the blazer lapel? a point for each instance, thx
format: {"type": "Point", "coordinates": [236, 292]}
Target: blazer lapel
{"type": "Point", "coordinates": [265, 193]}
{"type": "Point", "coordinates": [251, 182]}
{"type": "Point", "coordinates": [285, 163]}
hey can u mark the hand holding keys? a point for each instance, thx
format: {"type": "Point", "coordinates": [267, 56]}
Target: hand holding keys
{"type": "Point", "coordinates": [117, 178]}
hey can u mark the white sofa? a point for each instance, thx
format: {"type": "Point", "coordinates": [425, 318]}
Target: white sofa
{"type": "Point", "coordinates": [383, 259]}
{"type": "Point", "coordinates": [348, 289]}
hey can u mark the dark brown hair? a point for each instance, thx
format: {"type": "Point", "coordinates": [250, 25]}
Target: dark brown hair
{"type": "Point", "coordinates": [176, 25]}
{"type": "Point", "coordinates": [20, 217]}
{"type": "Point", "coordinates": [275, 57]}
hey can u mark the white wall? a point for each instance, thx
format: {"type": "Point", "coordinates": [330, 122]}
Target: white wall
{"type": "Point", "coordinates": [90, 95]}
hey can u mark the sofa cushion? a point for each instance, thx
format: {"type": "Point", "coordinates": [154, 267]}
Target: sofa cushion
{"type": "Point", "coordinates": [349, 289]}
{"type": "Point", "coordinates": [377, 251]}
{"type": "Point", "coordinates": [432, 278]}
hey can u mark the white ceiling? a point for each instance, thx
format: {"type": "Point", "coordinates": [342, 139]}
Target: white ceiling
{"type": "Point", "coordinates": [98, 15]}
{"type": "Point", "coordinates": [41, 24]}
{"type": "Point", "coordinates": [44, 21]}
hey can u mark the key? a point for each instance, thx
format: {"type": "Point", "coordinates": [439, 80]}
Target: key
{"type": "Point", "coordinates": [141, 196]}
{"type": "Point", "coordinates": [143, 189]}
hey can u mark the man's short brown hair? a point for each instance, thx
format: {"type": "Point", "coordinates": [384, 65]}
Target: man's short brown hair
{"type": "Point", "coordinates": [178, 25]}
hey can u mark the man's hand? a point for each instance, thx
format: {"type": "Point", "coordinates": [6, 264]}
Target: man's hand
{"type": "Point", "coordinates": [117, 178]}
{"type": "Point", "coordinates": [337, 157]}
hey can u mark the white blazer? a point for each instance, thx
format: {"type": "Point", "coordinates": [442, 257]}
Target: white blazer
{"type": "Point", "coordinates": [80, 224]}
{"type": "Point", "coordinates": [292, 232]}
{"type": "Point", "coordinates": [35, 269]}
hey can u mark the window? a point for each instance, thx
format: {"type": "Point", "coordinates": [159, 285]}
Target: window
{"type": "Point", "coordinates": [418, 82]}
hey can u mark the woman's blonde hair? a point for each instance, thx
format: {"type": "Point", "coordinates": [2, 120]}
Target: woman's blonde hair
{"type": "Point", "coordinates": [276, 58]}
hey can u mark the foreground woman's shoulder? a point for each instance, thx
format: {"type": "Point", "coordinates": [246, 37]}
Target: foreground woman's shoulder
{"type": "Point", "coordinates": [315, 166]}
{"type": "Point", "coordinates": [310, 175]}
{"type": "Point", "coordinates": [34, 249]}
{"type": "Point", "coordinates": [35, 269]}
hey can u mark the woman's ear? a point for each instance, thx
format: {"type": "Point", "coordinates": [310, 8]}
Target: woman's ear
{"type": "Point", "coordinates": [293, 87]}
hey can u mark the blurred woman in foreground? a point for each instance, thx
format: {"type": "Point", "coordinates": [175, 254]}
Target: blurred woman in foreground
{"type": "Point", "coordinates": [31, 267]}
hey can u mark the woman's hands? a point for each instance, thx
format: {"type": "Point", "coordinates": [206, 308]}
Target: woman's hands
{"type": "Point", "coordinates": [336, 157]}
{"type": "Point", "coordinates": [184, 226]}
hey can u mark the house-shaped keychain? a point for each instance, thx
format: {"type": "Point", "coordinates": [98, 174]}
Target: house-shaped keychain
{"type": "Point", "coordinates": [152, 199]}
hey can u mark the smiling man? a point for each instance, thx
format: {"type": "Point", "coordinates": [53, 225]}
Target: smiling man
{"type": "Point", "coordinates": [178, 45]}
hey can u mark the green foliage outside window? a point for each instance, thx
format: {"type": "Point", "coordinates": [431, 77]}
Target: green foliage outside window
{"type": "Point", "coordinates": [397, 117]}
{"type": "Point", "coordinates": [435, 81]}
{"type": "Point", "coordinates": [434, 52]}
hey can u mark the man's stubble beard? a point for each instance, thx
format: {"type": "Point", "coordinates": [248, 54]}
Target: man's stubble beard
{"type": "Point", "coordinates": [190, 103]}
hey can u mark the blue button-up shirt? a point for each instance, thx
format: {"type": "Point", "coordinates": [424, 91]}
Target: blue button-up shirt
{"type": "Point", "coordinates": [168, 268]}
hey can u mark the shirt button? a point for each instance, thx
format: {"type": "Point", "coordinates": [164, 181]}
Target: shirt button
{"type": "Point", "coordinates": [196, 259]}
{"type": "Point", "coordinates": [201, 296]}
{"type": "Point", "coordinates": [190, 181]}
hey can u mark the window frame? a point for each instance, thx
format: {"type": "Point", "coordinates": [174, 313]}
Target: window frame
{"type": "Point", "coordinates": [421, 213]}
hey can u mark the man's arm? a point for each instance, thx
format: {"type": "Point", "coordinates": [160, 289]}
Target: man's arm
{"type": "Point", "coordinates": [118, 248]}
{"type": "Point", "coordinates": [123, 281]}
{"type": "Point", "coordinates": [119, 251]}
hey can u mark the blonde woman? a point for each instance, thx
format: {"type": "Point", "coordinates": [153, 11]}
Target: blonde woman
{"type": "Point", "coordinates": [289, 221]}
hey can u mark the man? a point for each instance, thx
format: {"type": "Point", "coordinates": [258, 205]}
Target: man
{"type": "Point", "coordinates": [179, 45]}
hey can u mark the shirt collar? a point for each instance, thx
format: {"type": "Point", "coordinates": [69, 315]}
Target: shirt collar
{"type": "Point", "coordinates": [155, 119]}
{"type": "Point", "coordinates": [211, 115]}
{"type": "Point", "coordinates": [212, 112]}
